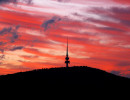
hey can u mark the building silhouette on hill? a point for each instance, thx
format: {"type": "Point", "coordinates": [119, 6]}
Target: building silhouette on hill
{"type": "Point", "coordinates": [67, 56]}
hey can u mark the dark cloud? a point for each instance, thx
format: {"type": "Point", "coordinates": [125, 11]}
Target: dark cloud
{"type": "Point", "coordinates": [120, 14]}
{"type": "Point", "coordinates": [5, 30]}
{"type": "Point", "coordinates": [8, 1]}
{"type": "Point", "coordinates": [124, 63]}
{"type": "Point", "coordinates": [120, 74]}
{"type": "Point", "coordinates": [16, 48]}
{"type": "Point", "coordinates": [125, 22]}
{"type": "Point", "coordinates": [128, 75]}
{"type": "Point", "coordinates": [10, 30]}
{"type": "Point", "coordinates": [15, 1]}
{"type": "Point", "coordinates": [8, 35]}
{"type": "Point", "coordinates": [77, 14]}
{"type": "Point", "coordinates": [14, 37]}
{"type": "Point", "coordinates": [28, 1]}
{"type": "Point", "coordinates": [110, 12]}
{"type": "Point", "coordinates": [46, 24]}
{"type": "Point", "coordinates": [17, 27]}
{"type": "Point", "coordinates": [112, 29]}
{"type": "Point", "coordinates": [63, 0]}
{"type": "Point", "coordinates": [122, 10]}
{"type": "Point", "coordinates": [116, 72]}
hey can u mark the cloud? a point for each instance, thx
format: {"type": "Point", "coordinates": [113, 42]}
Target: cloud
{"type": "Point", "coordinates": [8, 1]}
{"type": "Point", "coordinates": [124, 63]}
{"type": "Point", "coordinates": [122, 10]}
{"type": "Point", "coordinates": [16, 48]}
{"type": "Point", "coordinates": [63, 0]}
{"type": "Point", "coordinates": [114, 22]}
{"type": "Point", "coordinates": [112, 29]}
{"type": "Point", "coordinates": [5, 30]}
{"type": "Point", "coordinates": [28, 1]}
{"type": "Point", "coordinates": [8, 35]}
{"type": "Point", "coordinates": [121, 73]}
{"type": "Point", "coordinates": [11, 31]}
{"type": "Point", "coordinates": [128, 75]}
{"type": "Point", "coordinates": [120, 15]}
{"type": "Point", "coordinates": [15, 1]}
{"type": "Point", "coordinates": [47, 24]}
{"type": "Point", "coordinates": [116, 72]}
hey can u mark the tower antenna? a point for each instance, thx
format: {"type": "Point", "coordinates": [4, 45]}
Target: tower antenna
{"type": "Point", "coordinates": [67, 56]}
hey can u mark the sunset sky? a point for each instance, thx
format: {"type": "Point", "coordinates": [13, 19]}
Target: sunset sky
{"type": "Point", "coordinates": [33, 34]}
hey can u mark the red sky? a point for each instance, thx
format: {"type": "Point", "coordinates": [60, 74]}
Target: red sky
{"type": "Point", "coordinates": [33, 34]}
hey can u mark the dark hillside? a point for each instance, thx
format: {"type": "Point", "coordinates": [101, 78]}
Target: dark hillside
{"type": "Point", "coordinates": [69, 76]}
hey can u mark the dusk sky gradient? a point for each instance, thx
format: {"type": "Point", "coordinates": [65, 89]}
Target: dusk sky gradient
{"type": "Point", "coordinates": [33, 34]}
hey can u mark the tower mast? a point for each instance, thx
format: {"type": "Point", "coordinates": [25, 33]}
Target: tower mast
{"type": "Point", "coordinates": [67, 56]}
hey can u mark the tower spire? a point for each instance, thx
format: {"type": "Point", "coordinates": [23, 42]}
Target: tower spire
{"type": "Point", "coordinates": [67, 47]}
{"type": "Point", "coordinates": [67, 56]}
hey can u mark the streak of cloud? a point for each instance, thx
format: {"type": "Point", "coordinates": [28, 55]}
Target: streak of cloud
{"type": "Point", "coordinates": [15, 1]}
{"type": "Point", "coordinates": [47, 24]}
{"type": "Point", "coordinates": [16, 48]}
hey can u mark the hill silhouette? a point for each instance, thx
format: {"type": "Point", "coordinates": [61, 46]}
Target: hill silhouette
{"type": "Point", "coordinates": [77, 75]}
